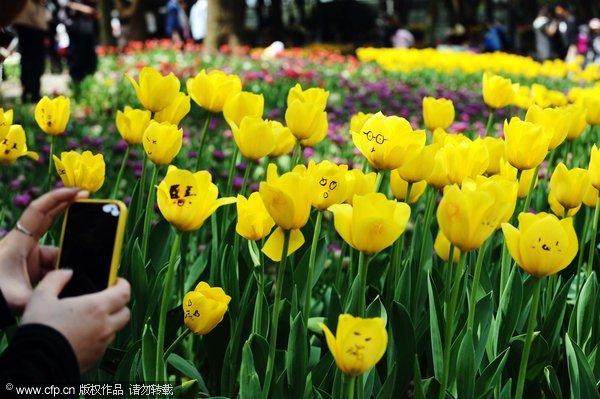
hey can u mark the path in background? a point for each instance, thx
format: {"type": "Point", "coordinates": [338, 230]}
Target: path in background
{"type": "Point", "coordinates": [52, 85]}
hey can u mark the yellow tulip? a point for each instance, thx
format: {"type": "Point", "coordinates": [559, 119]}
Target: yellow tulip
{"type": "Point", "coordinates": [287, 197]}
{"type": "Point", "coordinates": [175, 111]}
{"type": "Point", "coordinates": [372, 223]}
{"type": "Point", "coordinates": [284, 139]}
{"type": "Point", "coordinates": [440, 136]}
{"type": "Point", "coordinates": [313, 95]}
{"type": "Point", "coordinates": [13, 146]}
{"type": "Point", "coordinates": [437, 113]}
{"type": "Point", "coordinates": [569, 186]}
{"type": "Point", "coordinates": [399, 188]}
{"type": "Point", "coordinates": [306, 120]}
{"type": "Point", "coordinates": [558, 209]}
{"type": "Point", "coordinates": [52, 116]}
{"type": "Point", "coordinates": [497, 151]}
{"type": "Point", "coordinates": [204, 308]}
{"type": "Point", "coordinates": [155, 92]}
{"type": "Point", "coordinates": [418, 164]}
{"type": "Point", "coordinates": [591, 197]}
{"type": "Point", "coordinates": [253, 220]}
{"type": "Point", "coordinates": [358, 120]}
{"type": "Point", "coordinates": [85, 170]}
{"type": "Point", "coordinates": [526, 143]}
{"type": "Point", "coordinates": [577, 121]}
{"type": "Point", "coordinates": [273, 247]}
{"type": "Point", "coordinates": [359, 183]}
{"type": "Point", "coordinates": [187, 199]}
{"type": "Point", "coordinates": [162, 142]}
{"type": "Point", "coordinates": [254, 137]}
{"type": "Point", "coordinates": [543, 245]}
{"type": "Point", "coordinates": [132, 124]}
{"type": "Point", "coordinates": [467, 216]}
{"type": "Point", "coordinates": [6, 119]}
{"type": "Point", "coordinates": [594, 167]}
{"type": "Point", "coordinates": [591, 103]}
{"type": "Point", "coordinates": [504, 191]}
{"type": "Point", "coordinates": [466, 159]}
{"type": "Point", "coordinates": [210, 90]}
{"type": "Point", "coordinates": [358, 343]}
{"type": "Point", "coordinates": [438, 178]}
{"type": "Point", "coordinates": [510, 172]}
{"type": "Point", "coordinates": [554, 121]}
{"type": "Point", "coordinates": [498, 92]}
{"type": "Point", "coordinates": [242, 104]}
{"type": "Point", "coordinates": [329, 182]}
{"type": "Point", "coordinates": [385, 141]}
{"type": "Point", "coordinates": [315, 138]}
{"type": "Point", "coordinates": [441, 247]}
{"type": "Point", "coordinates": [523, 98]}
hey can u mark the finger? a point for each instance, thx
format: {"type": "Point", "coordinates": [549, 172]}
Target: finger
{"type": "Point", "coordinates": [39, 215]}
{"type": "Point", "coordinates": [119, 319]}
{"type": "Point", "coordinates": [48, 258]}
{"type": "Point", "coordinates": [54, 282]}
{"type": "Point", "coordinates": [115, 297]}
{"type": "Point", "coordinates": [41, 261]}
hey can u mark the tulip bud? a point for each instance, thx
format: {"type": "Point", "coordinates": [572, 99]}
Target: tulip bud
{"type": "Point", "coordinates": [210, 90]}
{"type": "Point", "coordinates": [52, 116]}
{"type": "Point", "coordinates": [85, 170]}
{"type": "Point", "coordinates": [162, 142]}
{"type": "Point", "coordinates": [13, 146]}
{"type": "Point", "coordinates": [132, 124]}
{"type": "Point", "coordinates": [437, 113]}
{"type": "Point", "coordinates": [155, 92]}
{"type": "Point", "coordinates": [204, 308]}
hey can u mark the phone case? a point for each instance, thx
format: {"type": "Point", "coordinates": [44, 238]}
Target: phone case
{"type": "Point", "coordinates": [116, 256]}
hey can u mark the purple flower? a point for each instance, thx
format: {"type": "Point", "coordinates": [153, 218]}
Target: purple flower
{"type": "Point", "coordinates": [15, 184]}
{"type": "Point", "coordinates": [218, 155]}
{"type": "Point", "coordinates": [121, 146]}
{"type": "Point", "coordinates": [237, 183]}
{"type": "Point", "coordinates": [22, 200]}
{"type": "Point", "coordinates": [240, 167]}
{"type": "Point", "coordinates": [308, 152]}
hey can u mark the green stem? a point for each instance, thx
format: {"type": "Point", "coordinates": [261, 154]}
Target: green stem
{"type": "Point", "coordinates": [149, 213]}
{"type": "Point", "coordinates": [120, 175]}
{"type": "Point", "coordinates": [142, 186]}
{"type": "Point", "coordinates": [490, 122]}
{"type": "Point", "coordinates": [259, 275]}
{"type": "Point", "coordinates": [529, 338]}
{"type": "Point", "coordinates": [362, 275]}
{"type": "Point", "coordinates": [450, 315]}
{"type": "Point", "coordinates": [378, 180]}
{"type": "Point", "coordinates": [234, 157]}
{"type": "Point", "coordinates": [409, 186]}
{"type": "Point", "coordinates": [275, 319]}
{"type": "Point", "coordinates": [180, 338]}
{"type": "Point", "coordinates": [531, 186]}
{"type": "Point", "coordinates": [50, 163]}
{"type": "Point", "coordinates": [351, 387]}
{"type": "Point", "coordinates": [503, 268]}
{"type": "Point", "coordinates": [340, 264]}
{"type": "Point", "coordinates": [586, 226]}
{"type": "Point", "coordinates": [160, 339]}
{"type": "Point", "coordinates": [426, 226]}
{"type": "Point", "coordinates": [234, 277]}
{"type": "Point", "coordinates": [203, 140]}
{"type": "Point", "coordinates": [246, 176]}
{"type": "Point", "coordinates": [593, 238]}
{"type": "Point", "coordinates": [311, 264]}
{"type": "Point", "coordinates": [473, 296]}
{"type": "Point", "coordinates": [296, 155]}
{"type": "Point", "coordinates": [550, 163]}
{"type": "Point", "coordinates": [447, 276]}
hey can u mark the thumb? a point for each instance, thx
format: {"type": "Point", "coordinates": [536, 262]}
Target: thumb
{"type": "Point", "coordinates": [54, 282]}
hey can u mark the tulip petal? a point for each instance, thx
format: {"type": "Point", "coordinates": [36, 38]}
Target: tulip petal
{"type": "Point", "coordinates": [273, 248]}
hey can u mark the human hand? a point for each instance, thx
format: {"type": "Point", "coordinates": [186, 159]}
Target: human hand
{"type": "Point", "coordinates": [88, 322]}
{"type": "Point", "coordinates": [22, 261]}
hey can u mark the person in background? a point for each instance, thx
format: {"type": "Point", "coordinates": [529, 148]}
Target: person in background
{"type": "Point", "coordinates": [545, 29]}
{"type": "Point", "coordinates": [31, 26]}
{"type": "Point", "coordinates": [198, 16]}
{"type": "Point", "coordinates": [593, 53]}
{"type": "Point", "coordinates": [495, 37]}
{"type": "Point", "coordinates": [567, 30]}
{"type": "Point", "coordinates": [173, 27]}
{"type": "Point", "coordinates": [402, 38]}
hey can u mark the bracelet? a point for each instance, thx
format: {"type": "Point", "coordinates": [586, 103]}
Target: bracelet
{"type": "Point", "coordinates": [19, 227]}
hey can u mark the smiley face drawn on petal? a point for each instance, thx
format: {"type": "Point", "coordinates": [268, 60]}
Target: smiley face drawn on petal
{"type": "Point", "coordinates": [375, 138]}
{"type": "Point", "coordinates": [179, 197]}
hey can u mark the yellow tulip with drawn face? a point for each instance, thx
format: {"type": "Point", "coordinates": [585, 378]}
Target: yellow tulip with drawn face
{"type": "Point", "coordinates": [211, 90]}
{"type": "Point", "coordinates": [497, 151]}
{"type": "Point", "coordinates": [253, 220]}
{"type": "Point", "coordinates": [84, 170]}
{"type": "Point", "coordinates": [385, 141]}
{"type": "Point", "coordinates": [204, 308]}
{"type": "Point", "coordinates": [242, 104]}
{"type": "Point", "coordinates": [498, 92]}
{"type": "Point", "coordinates": [359, 183]}
{"type": "Point", "coordinates": [594, 167]}
{"type": "Point", "coordinates": [358, 343]}
{"type": "Point", "coordinates": [437, 113]}
{"type": "Point", "coordinates": [162, 142]}
{"type": "Point", "coordinates": [466, 159]}
{"type": "Point", "coordinates": [13, 145]}
{"type": "Point", "coordinates": [542, 245]}
{"type": "Point", "coordinates": [6, 119]}
{"type": "Point", "coordinates": [53, 115]}
{"type": "Point", "coordinates": [329, 183]}
{"type": "Point", "coordinates": [132, 123]}
{"type": "Point", "coordinates": [372, 223]}
{"type": "Point", "coordinates": [254, 137]}
{"type": "Point", "coordinates": [554, 121]}
{"type": "Point", "coordinates": [284, 139]}
{"type": "Point", "coordinates": [569, 186]}
{"type": "Point", "coordinates": [175, 111]}
{"type": "Point", "coordinates": [526, 143]}
{"type": "Point", "coordinates": [467, 216]}
{"type": "Point", "coordinates": [187, 199]}
{"type": "Point", "coordinates": [155, 92]}
{"type": "Point", "coordinates": [441, 246]}
{"type": "Point", "coordinates": [313, 95]}
{"type": "Point", "coordinates": [399, 188]}
{"type": "Point", "coordinates": [306, 120]}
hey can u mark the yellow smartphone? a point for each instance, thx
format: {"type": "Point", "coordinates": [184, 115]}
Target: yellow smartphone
{"type": "Point", "coordinates": [90, 244]}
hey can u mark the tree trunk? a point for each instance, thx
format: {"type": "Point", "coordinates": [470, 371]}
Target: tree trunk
{"type": "Point", "coordinates": [136, 13]}
{"type": "Point", "coordinates": [225, 20]}
{"type": "Point", "coordinates": [106, 37]}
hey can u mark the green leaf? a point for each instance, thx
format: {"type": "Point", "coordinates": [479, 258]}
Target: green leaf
{"type": "Point", "coordinates": [507, 318]}
{"type": "Point", "coordinates": [586, 311]}
{"type": "Point", "coordinates": [553, 322]}
{"type": "Point", "coordinates": [481, 326]}
{"type": "Point", "coordinates": [465, 368]}
{"type": "Point", "coordinates": [490, 377]}
{"type": "Point", "coordinates": [159, 244]}
{"type": "Point", "coordinates": [505, 393]}
{"type": "Point", "coordinates": [405, 346]}
{"type": "Point", "coordinates": [387, 389]}
{"type": "Point", "coordinates": [249, 382]}
{"type": "Point", "coordinates": [435, 321]}
{"type": "Point", "coordinates": [553, 382]}
{"type": "Point", "coordinates": [583, 383]}
{"type": "Point", "coordinates": [149, 354]}
{"type": "Point", "coordinates": [419, 390]}
{"type": "Point", "coordinates": [334, 308]}
{"type": "Point", "coordinates": [296, 356]}
{"type": "Point", "coordinates": [187, 368]}
{"type": "Point", "coordinates": [195, 271]}
{"type": "Point", "coordinates": [376, 309]}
